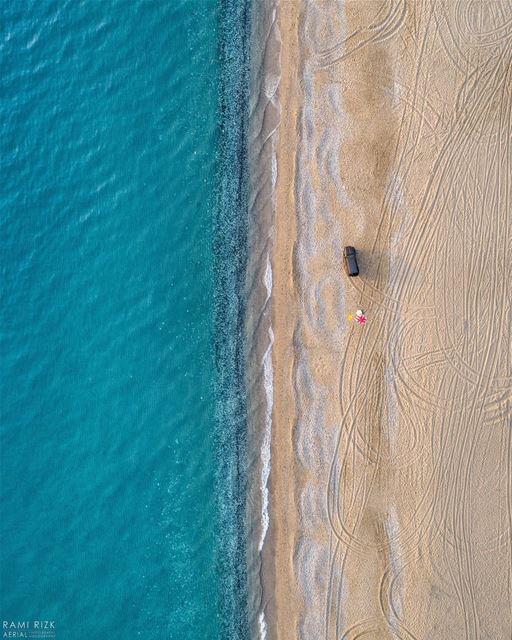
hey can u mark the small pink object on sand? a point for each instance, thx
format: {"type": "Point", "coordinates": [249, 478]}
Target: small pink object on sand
{"type": "Point", "coordinates": [360, 317]}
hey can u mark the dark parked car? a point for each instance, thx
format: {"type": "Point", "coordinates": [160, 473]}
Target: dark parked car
{"type": "Point", "coordinates": [350, 260]}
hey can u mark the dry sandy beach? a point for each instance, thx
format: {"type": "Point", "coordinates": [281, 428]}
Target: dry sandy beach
{"type": "Point", "coordinates": [389, 492]}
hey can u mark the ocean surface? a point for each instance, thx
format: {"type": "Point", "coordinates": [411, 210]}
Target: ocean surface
{"type": "Point", "coordinates": [122, 262]}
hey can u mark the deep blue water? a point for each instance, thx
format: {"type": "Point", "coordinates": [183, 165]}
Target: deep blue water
{"type": "Point", "coordinates": [112, 522]}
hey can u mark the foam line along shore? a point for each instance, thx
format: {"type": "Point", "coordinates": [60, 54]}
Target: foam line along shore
{"type": "Point", "coordinates": [264, 118]}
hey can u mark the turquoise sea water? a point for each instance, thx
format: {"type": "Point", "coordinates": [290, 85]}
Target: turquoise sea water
{"type": "Point", "coordinates": [120, 426]}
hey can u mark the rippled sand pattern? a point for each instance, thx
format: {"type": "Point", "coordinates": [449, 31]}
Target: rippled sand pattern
{"type": "Point", "coordinates": [400, 429]}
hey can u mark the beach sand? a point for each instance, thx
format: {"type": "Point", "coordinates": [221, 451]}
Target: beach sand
{"type": "Point", "coordinates": [390, 482]}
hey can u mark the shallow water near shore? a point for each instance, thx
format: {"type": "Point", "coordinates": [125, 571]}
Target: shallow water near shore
{"type": "Point", "coordinates": [110, 471]}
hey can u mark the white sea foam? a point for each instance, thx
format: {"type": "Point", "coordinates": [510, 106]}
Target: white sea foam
{"type": "Point", "coordinates": [264, 121]}
{"type": "Point", "coordinates": [267, 279]}
{"type": "Point", "coordinates": [262, 625]}
{"type": "Point", "coordinates": [268, 381]}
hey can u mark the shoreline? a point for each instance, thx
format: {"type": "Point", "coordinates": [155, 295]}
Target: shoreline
{"type": "Point", "coordinates": [366, 146]}
{"type": "Point", "coordinates": [264, 120]}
